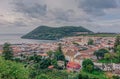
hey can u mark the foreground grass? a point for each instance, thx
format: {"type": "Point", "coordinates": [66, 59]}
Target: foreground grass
{"type": "Point", "coordinates": [115, 60]}
{"type": "Point", "coordinates": [95, 74]}
{"type": "Point", "coordinates": [55, 74]}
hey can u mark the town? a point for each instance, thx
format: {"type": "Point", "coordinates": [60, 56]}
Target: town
{"type": "Point", "coordinates": [75, 49]}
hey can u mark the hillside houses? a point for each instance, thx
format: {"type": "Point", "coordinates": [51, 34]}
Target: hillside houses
{"type": "Point", "coordinates": [29, 49]}
{"type": "Point", "coordinates": [82, 50]}
{"type": "Point", "coordinates": [110, 67]}
{"type": "Point", "coordinates": [74, 48]}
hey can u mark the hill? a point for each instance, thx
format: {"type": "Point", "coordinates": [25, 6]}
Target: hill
{"type": "Point", "coordinates": [54, 33]}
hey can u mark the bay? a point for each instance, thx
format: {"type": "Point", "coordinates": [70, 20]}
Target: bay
{"type": "Point", "coordinates": [16, 39]}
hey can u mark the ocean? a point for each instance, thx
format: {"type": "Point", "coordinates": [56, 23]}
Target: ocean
{"type": "Point", "coordinates": [16, 39]}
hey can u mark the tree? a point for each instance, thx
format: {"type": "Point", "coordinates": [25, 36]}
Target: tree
{"type": "Point", "coordinates": [12, 70]}
{"type": "Point", "coordinates": [100, 53]}
{"type": "Point", "coordinates": [118, 48]}
{"type": "Point", "coordinates": [88, 65]}
{"type": "Point", "coordinates": [59, 54]}
{"type": "Point", "coordinates": [116, 77]}
{"type": "Point", "coordinates": [90, 42]}
{"type": "Point", "coordinates": [117, 42]}
{"type": "Point", "coordinates": [43, 64]}
{"type": "Point", "coordinates": [54, 63]}
{"type": "Point", "coordinates": [107, 56]}
{"type": "Point", "coordinates": [50, 54]}
{"type": "Point", "coordinates": [35, 58]}
{"type": "Point", "coordinates": [118, 52]}
{"type": "Point", "coordinates": [7, 52]}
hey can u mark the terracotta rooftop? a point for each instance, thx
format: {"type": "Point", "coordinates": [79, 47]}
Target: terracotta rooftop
{"type": "Point", "coordinates": [50, 67]}
{"type": "Point", "coordinates": [73, 65]}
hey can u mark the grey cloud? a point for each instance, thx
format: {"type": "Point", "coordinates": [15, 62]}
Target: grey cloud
{"type": "Point", "coordinates": [62, 15]}
{"type": "Point", "coordinates": [96, 7]}
{"type": "Point", "coordinates": [19, 24]}
{"type": "Point", "coordinates": [1, 15]}
{"type": "Point", "coordinates": [40, 11]}
{"type": "Point", "coordinates": [33, 10]}
{"type": "Point", "coordinates": [69, 15]}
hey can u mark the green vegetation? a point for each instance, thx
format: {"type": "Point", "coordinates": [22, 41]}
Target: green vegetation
{"type": "Point", "coordinates": [114, 60]}
{"type": "Point", "coordinates": [117, 42]}
{"type": "Point", "coordinates": [12, 70]}
{"type": "Point", "coordinates": [106, 57]}
{"type": "Point", "coordinates": [37, 67]}
{"type": "Point", "coordinates": [117, 49]}
{"type": "Point", "coordinates": [40, 66]}
{"type": "Point", "coordinates": [52, 74]}
{"type": "Point", "coordinates": [52, 33]}
{"type": "Point", "coordinates": [90, 42]}
{"type": "Point", "coordinates": [43, 76]}
{"type": "Point", "coordinates": [110, 58]}
{"type": "Point", "coordinates": [118, 52]}
{"type": "Point", "coordinates": [93, 75]}
{"type": "Point", "coordinates": [32, 67]}
{"type": "Point", "coordinates": [116, 77]}
{"type": "Point", "coordinates": [58, 55]}
{"type": "Point", "coordinates": [90, 71]}
{"type": "Point", "coordinates": [100, 53]}
{"type": "Point", "coordinates": [7, 52]}
{"type": "Point", "coordinates": [101, 34]}
{"type": "Point", "coordinates": [88, 65]}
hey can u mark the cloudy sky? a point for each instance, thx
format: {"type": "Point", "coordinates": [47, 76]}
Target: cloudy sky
{"type": "Point", "coordinates": [22, 16]}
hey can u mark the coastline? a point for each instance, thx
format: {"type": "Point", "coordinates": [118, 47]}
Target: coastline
{"type": "Point", "coordinates": [16, 39]}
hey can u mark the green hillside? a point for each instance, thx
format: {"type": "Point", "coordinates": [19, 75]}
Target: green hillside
{"type": "Point", "coordinates": [54, 33]}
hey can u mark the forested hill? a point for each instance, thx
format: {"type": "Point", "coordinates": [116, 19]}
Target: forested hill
{"type": "Point", "coordinates": [54, 33]}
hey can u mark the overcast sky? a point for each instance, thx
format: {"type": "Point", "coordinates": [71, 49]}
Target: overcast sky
{"type": "Point", "coordinates": [22, 16]}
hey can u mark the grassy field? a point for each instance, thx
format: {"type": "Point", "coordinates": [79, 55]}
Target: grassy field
{"type": "Point", "coordinates": [100, 35]}
{"type": "Point", "coordinates": [109, 61]}
{"type": "Point", "coordinates": [55, 74]}
{"type": "Point", "coordinates": [95, 74]}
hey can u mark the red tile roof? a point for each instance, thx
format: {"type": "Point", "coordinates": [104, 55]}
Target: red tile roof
{"type": "Point", "coordinates": [50, 67]}
{"type": "Point", "coordinates": [73, 65]}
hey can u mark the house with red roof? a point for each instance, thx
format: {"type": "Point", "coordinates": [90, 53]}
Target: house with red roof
{"type": "Point", "coordinates": [73, 66]}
